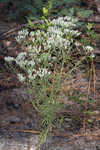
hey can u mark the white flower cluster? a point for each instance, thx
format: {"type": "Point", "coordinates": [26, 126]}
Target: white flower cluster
{"type": "Point", "coordinates": [21, 35]}
{"type": "Point", "coordinates": [21, 77]}
{"type": "Point", "coordinates": [9, 59]}
{"type": "Point", "coordinates": [20, 59]}
{"type": "Point", "coordinates": [55, 37]}
{"type": "Point", "coordinates": [32, 74]}
{"type": "Point", "coordinates": [72, 33]}
{"type": "Point", "coordinates": [65, 22]}
{"type": "Point", "coordinates": [89, 48]}
{"type": "Point", "coordinates": [42, 72]}
{"type": "Point", "coordinates": [46, 47]}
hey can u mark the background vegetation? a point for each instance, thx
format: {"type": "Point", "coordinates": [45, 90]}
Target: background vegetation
{"type": "Point", "coordinates": [33, 8]}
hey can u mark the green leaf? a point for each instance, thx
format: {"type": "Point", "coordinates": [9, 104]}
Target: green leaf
{"type": "Point", "coordinates": [45, 11]}
{"type": "Point", "coordinates": [90, 120]}
{"type": "Point", "coordinates": [90, 26]}
{"type": "Point", "coordinates": [84, 13]}
{"type": "Point", "coordinates": [30, 23]}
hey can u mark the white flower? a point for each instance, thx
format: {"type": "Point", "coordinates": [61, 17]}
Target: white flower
{"type": "Point", "coordinates": [21, 56]}
{"type": "Point", "coordinates": [21, 77]}
{"type": "Point", "coordinates": [31, 77]}
{"type": "Point", "coordinates": [21, 35]}
{"type": "Point", "coordinates": [55, 30]}
{"type": "Point", "coordinates": [18, 38]}
{"type": "Point", "coordinates": [23, 32]}
{"type": "Point", "coordinates": [92, 55]}
{"type": "Point", "coordinates": [42, 72]}
{"type": "Point", "coordinates": [31, 63]}
{"type": "Point", "coordinates": [32, 34]}
{"type": "Point", "coordinates": [9, 59]}
{"type": "Point", "coordinates": [22, 63]}
{"type": "Point", "coordinates": [20, 59]}
{"type": "Point", "coordinates": [89, 48]}
{"type": "Point", "coordinates": [77, 44]}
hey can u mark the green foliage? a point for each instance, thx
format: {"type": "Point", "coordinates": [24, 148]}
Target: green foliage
{"type": "Point", "coordinates": [84, 13]}
{"type": "Point", "coordinates": [91, 35]}
{"type": "Point", "coordinates": [33, 8]}
{"type": "Point", "coordinates": [70, 8]}
{"type": "Point", "coordinates": [4, 1]}
{"type": "Point", "coordinates": [22, 8]}
{"type": "Point", "coordinates": [45, 12]}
